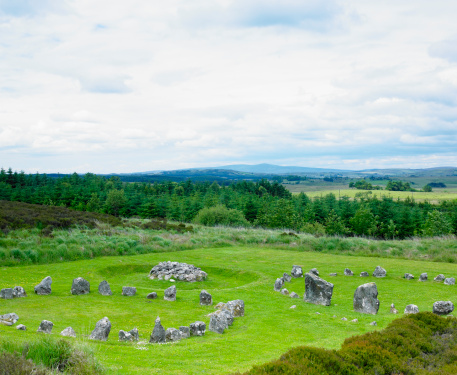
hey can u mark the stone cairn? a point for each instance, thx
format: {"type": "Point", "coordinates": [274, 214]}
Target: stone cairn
{"type": "Point", "coordinates": [176, 270]}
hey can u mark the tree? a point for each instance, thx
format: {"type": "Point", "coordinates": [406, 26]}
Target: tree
{"type": "Point", "coordinates": [115, 201]}
{"type": "Point", "coordinates": [334, 225]}
{"type": "Point", "coordinates": [364, 223]}
{"type": "Point", "coordinates": [437, 224]}
{"type": "Point", "coordinates": [427, 188]}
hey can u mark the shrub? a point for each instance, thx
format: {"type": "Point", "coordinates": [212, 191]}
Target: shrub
{"type": "Point", "coordinates": [221, 215]}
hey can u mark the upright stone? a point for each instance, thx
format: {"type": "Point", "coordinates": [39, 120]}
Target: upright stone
{"type": "Point", "coordinates": [205, 298]}
{"type": "Point", "coordinates": [279, 283]}
{"type": "Point", "coordinates": [128, 291]}
{"type": "Point", "coordinates": [423, 276]}
{"type": "Point", "coordinates": [235, 307]}
{"type": "Point", "coordinates": [44, 287]}
{"type": "Point", "coordinates": [315, 271]}
{"type": "Point", "coordinates": [6, 293]}
{"type": "Point", "coordinates": [185, 331]}
{"type": "Point", "coordinates": [317, 290]}
{"type": "Point", "coordinates": [393, 310]}
{"type": "Point", "coordinates": [104, 289]}
{"type": "Point", "coordinates": [348, 272]}
{"type": "Point", "coordinates": [102, 330]}
{"type": "Point", "coordinates": [220, 320]}
{"type": "Point", "coordinates": [285, 292]}
{"type": "Point", "coordinates": [379, 272]}
{"type": "Point", "coordinates": [172, 334]}
{"type": "Point", "coordinates": [158, 333]}
{"type": "Point", "coordinates": [18, 292]}
{"type": "Point", "coordinates": [286, 277]}
{"type": "Point", "coordinates": [296, 271]}
{"type": "Point", "coordinates": [449, 281]}
{"type": "Point", "coordinates": [68, 332]}
{"type": "Point", "coordinates": [364, 274]}
{"type": "Point", "coordinates": [125, 336]}
{"type": "Point", "coordinates": [409, 276]}
{"type": "Point", "coordinates": [411, 309]}
{"type": "Point", "coordinates": [197, 328]}
{"type": "Point", "coordinates": [170, 293]}
{"type": "Point", "coordinates": [443, 307]}
{"type": "Point", "coordinates": [152, 295]}
{"type": "Point", "coordinates": [80, 286]}
{"type": "Point", "coordinates": [365, 299]}
{"type": "Point", "coordinates": [294, 295]}
{"type": "Point", "coordinates": [135, 334]}
{"type": "Point", "coordinates": [439, 278]}
{"type": "Point", "coordinates": [45, 326]}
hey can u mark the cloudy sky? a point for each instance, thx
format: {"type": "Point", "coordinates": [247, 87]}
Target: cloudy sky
{"type": "Point", "coordinates": [115, 86]}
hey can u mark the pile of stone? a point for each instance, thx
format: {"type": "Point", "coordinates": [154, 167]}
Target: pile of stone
{"type": "Point", "coordinates": [10, 293]}
{"type": "Point", "coordinates": [175, 270]}
{"type": "Point", "coordinates": [225, 314]}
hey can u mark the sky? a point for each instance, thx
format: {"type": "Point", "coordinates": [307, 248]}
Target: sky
{"type": "Point", "coordinates": [115, 87]}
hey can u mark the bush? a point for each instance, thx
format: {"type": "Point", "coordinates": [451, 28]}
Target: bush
{"type": "Point", "coordinates": [221, 215]}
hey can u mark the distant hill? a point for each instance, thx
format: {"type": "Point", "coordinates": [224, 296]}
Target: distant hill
{"type": "Point", "coordinates": [278, 169]}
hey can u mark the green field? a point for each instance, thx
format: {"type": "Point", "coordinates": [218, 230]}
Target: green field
{"type": "Point", "coordinates": [267, 330]}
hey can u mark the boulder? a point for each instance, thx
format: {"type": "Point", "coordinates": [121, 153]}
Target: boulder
{"type": "Point", "coordinates": [286, 277]}
{"type": "Point", "coordinates": [220, 320]}
{"type": "Point", "coordinates": [379, 272]}
{"type": "Point", "coordinates": [18, 292]}
{"type": "Point", "coordinates": [364, 274]}
{"type": "Point", "coordinates": [443, 307]}
{"type": "Point", "coordinates": [235, 307]}
{"type": "Point", "coordinates": [439, 278]}
{"type": "Point", "coordinates": [152, 295]}
{"type": "Point", "coordinates": [185, 332]}
{"type": "Point", "coordinates": [409, 276]}
{"type": "Point", "coordinates": [170, 294]}
{"type": "Point", "coordinates": [104, 289]}
{"type": "Point", "coordinates": [172, 334]}
{"type": "Point", "coordinates": [80, 286]}
{"type": "Point", "coordinates": [45, 326]}
{"type": "Point", "coordinates": [279, 283]}
{"type": "Point", "coordinates": [317, 290]}
{"type": "Point", "coordinates": [197, 328]}
{"type": "Point", "coordinates": [125, 336]}
{"type": "Point", "coordinates": [348, 272]}
{"type": "Point", "coordinates": [69, 332]}
{"type": "Point", "coordinates": [315, 271]}
{"type": "Point", "coordinates": [296, 271]}
{"type": "Point", "coordinates": [6, 293]}
{"type": "Point", "coordinates": [411, 309]}
{"type": "Point", "coordinates": [294, 295]}
{"type": "Point", "coordinates": [9, 319]}
{"type": "Point", "coordinates": [44, 287]}
{"type": "Point", "coordinates": [205, 298]}
{"type": "Point", "coordinates": [128, 291]}
{"type": "Point", "coordinates": [285, 292]}
{"type": "Point", "coordinates": [21, 327]}
{"type": "Point", "coordinates": [449, 281]}
{"type": "Point", "coordinates": [365, 299]}
{"type": "Point", "coordinates": [393, 310]}
{"type": "Point", "coordinates": [423, 276]}
{"type": "Point", "coordinates": [158, 333]}
{"type": "Point", "coordinates": [135, 334]}
{"type": "Point", "coordinates": [102, 330]}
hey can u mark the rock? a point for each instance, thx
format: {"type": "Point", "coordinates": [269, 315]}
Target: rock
{"type": "Point", "coordinates": [315, 271]}
{"type": "Point", "coordinates": [45, 326]}
{"type": "Point", "coordinates": [205, 298]}
{"type": "Point", "coordinates": [365, 299]}
{"type": "Point", "coordinates": [449, 281]}
{"type": "Point", "coordinates": [220, 320]}
{"type": "Point", "coordinates": [134, 333]}
{"type": "Point", "coordinates": [158, 333]}
{"type": "Point", "coordinates": [286, 277]}
{"type": "Point", "coordinates": [344, 319]}
{"type": "Point", "coordinates": [317, 290]}
{"type": "Point", "coordinates": [439, 278]}
{"type": "Point", "coordinates": [44, 287]}
{"type": "Point", "coordinates": [172, 334]}
{"type": "Point", "coordinates": [197, 328]}
{"type": "Point", "coordinates": [220, 306]}
{"type": "Point", "coordinates": [443, 307]}
{"type": "Point", "coordinates": [293, 306]}
{"type": "Point", "coordinates": [69, 332]}
{"type": "Point", "coordinates": [152, 295]}
{"type": "Point", "coordinates": [409, 276]}
{"type": "Point", "coordinates": [104, 289]}
{"type": "Point", "coordinates": [9, 319]}
{"type": "Point", "coordinates": [296, 271]}
{"type": "Point", "coordinates": [185, 332]}
{"type": "Point", "coordinates": [19, 292]}
{"type": "Point", "coordinates": [423, 276]}
{"type": "Point", "coordinates": [379, 272]}
{"type": "Point", "coordinates": [6, 293]}
{"type": "Point", "coordinates": [354, 320]}
{"type": "Point", "coordinates": [373, 324]}
{"type": "Point", "coordinates": [348, 272]}
{"type": "Point", "coordinates": [294, 295]}
{"type": "Point", "coordinates": [364, 274]}
{"type": "Point", "coordinates": [318, 313]}
{"type": "Point", "coordinates": [128, 291]}
{"type": "Point", "coordinates": [170, 293]}
{"type": "Point", "coordinates": [285, 292]}
{"type": "Point", "coordinates": [411, 309]}
{"type": "Point", "coordinates": [393, 310]}
{"type": "Point", "coordinates": [21, 327]}
{"type": "Point", "coordinates": [235, 307]}
{"type": "Point", "coordinates": [102, 330]}
{"type": "Point", "coordinates": [333, 274]}
{"type": "Point", "coordinates": [279, 283]}
{"type": "Point", "coordinates": [181, 271]}
{"type": "Point", "coordinates": [125, 336]}
{"type": "Point", "coordinates": [80, 286]}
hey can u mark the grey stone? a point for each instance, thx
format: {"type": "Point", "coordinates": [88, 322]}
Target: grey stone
{"type": "Point", "coordinates": [423, 276]}
{"type": "Point", "coordinates": [220, 320]}
{"type": "Point", "coordinates": [355, 320]}
{"type": "Point", "coordinates": [443, 307]}
{"type": "Point", "coordinates": [348, 272]}
{"type": "Point", "coordinates": [104, 289]}
{"type": "Point", "coordinates": [235, 307]}
{"type": "Point", "coordinates": [44, 287]}
{"type": "Point", "coordinates": [172, 334]}
{"type": "Point", "coordinates": [6, 293]}
{"type": "Point", "coordinates": [365, 299]}
{"type": "Point", "coordinates": [409, 276]}
{"type": "Point", "coordinates": [286, 277]}
{"type": "Point", "coordinates": [19, 292]}
{"type": "Point", "coordinates": [45, 326]}
{"type": "Point", "coordinates": [364, 274]}
{"type": "Point", "coordinates": [315, 271]}
{"type": "Point", "coordinates": [185, 332]}
{"type": "Point", "coordinates": [181, 271]}
{"type": "Point", "coordinates": [170, 293]}
{"type": "Point", "coordinates": [135, 334]}
{"type": "Point", "coordinates": [152, 295]}
{"type": "Point", "coordinates": [411, 309]}
{"type": "Point", "coordinates": [440, 277]}
{"type": "Point", "coordinates": [449, 281]}
{"type": "Point", "coordinates": [393, 310]}
{"type": "Point", "coordinates": [296, 271]}
{"type": "Point", "coordinates": [125, 336]}
{"type": "Point", "coordinates": [128, 291]}
{"type": "Point", "coordinates": [69, 332]}
{"type": "Point", "coordinates": [197, 328]}
{"type": "Point", "coordinates": [9, 319]}
{"type": "Point", "coordinates": [379, 272]}
{"type": "Point", "coordinates": [293, 307]}
{"type": "Point", "coordinates": [373, 324]}
{"type": "Point", "coordinates": [279, 283]}
{"type": "Point", "coordinates": [205, 298]}
{"type": "Point", "coordinates": [102, 330]}
{"type": "Point", "coordinates": [285, 292]}
{"type": "Point", "coordinates": [344, 319]}
{"type": "Point", "coordinates": [333, 274]}
{"type": "Point", "coordinates": [158, 333]}
{"type": "Point", "coordinates": [294, 295]}
{"type": "Point", "coordinates": [317, 290]}
{"type": "Point", "coordinates": [80, 286]}
{"type": "Point", "coordinates": [21, 327]}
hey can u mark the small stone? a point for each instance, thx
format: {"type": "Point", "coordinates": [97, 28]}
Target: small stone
{"type": "Point", "coordinates": [152, 295]}
{"type": "Point", "coordinates": [102, 330]}
{"type": "Point", "coordinates": [348, 272]}
{"type": "Point", "coordinates": [423, 276]}
{"type": "Point", "coordinates": [364, 274]}
{"type": "Point", "coordinates": [6, 293]}
{"type": "Point", "coordinates": [279, 283]}
{"type": "Point", "coordinates": [333, 274]}
{"type": "Point", "coordinates": [104, 289]}
{"type": "Point", "coordinates": [411, 309]}
{"type": "Point", "coordinates": [18, 292]}
{"type": "Point", "coordinates": [285, 292]}
{"type": "Point", "coordinates": [334, 316]}
{"type": "Point", "coordinates": [354, 320]}
{"type": "Point", "coordinates": [373, 324]}
{"type": "Point", "coordinates": [158, 333]}
{"type": "Point", "coordinates": [365, 299]}
{"type": "Point", "coordinates": [69, 332]}
{"type": "Point", "coordinates": [449, 281]}
{"type": "Point", "coordinates": [443, 307]}
{"type": "Point", "coordinates": [318, 313]}
{"type": "Point", "coordinates": [393, 310]}
{"type": "Point", "coordinates": [172, 335]}
{"type": "Point", "coordinates": [21, 327]}
{"type": "Point", "coordinates": [45, 326]}
{"type": "Point", "coordinates": [379, 272]}
{"type": "Point", "coordinates": [297, 271]}
{"type": "Point", "coordinates": [293, 307]}
{"type": "Point", "coordinates": [205, 298]}
{"type": "Point", "coordinates": [344, 319]}
{"type": "Point", "coordinates": [286, 277]}
{"type": "Point", "coordinates": [44, 287]}
{"type": "Point", "coordinates": [172, 280]}
{"type": "Point", "coordinates": [294, 295]}
{"type": "Point", "coordinates": [439, 278]}
{"type": "Point", "coordinates": [170, 293]}
{"type": "Point", "coordinates": [128, 291]}
{"type": "Point", "coordinates": [185, 332]}
{"type": "Point", "coordinates": [409, 276]}
{"type": "Point", "coordinates": [197, 328]}
{"type": "Point", "coordinates": [315, 271]}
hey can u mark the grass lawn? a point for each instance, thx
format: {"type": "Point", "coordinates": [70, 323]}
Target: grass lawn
{"type": "Point", "coordinates": [267, 330]}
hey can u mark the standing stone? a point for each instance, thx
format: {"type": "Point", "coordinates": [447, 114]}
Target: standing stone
{"type": "Point", "coordinates": [185, 332]}
{"type": "Point", "coordinates": [125, 336]}
{"type": "Point", "coordinates": [172, 334]}
{"type": "Point", "coordinates": [393, 310]}
{"type": "Point", "coordinates": [158, 333]}
{"type": "Point", "coordinates": [197, 328]}
{"type": "Point", "coordinates": [104, 289]}
{"type": "Point", "coordinates": [294, 295]}
{"type": "Point", "coordinates": [379, 272]}
{"type": "Point", "coordinates": [365, 299]}
{"type": "Point", "coordinates": [135, 334]}
{"type": "Point", "coordinates": [348, 272]}
{"type": "Point", "coordinates": [285, 292]}
{"type": "Point", "coordinates": [152, 295]}
{"type": "Point", "coordinates": [279, 283]}
{"type": "Point", "coordinates": [235, 307]}
{"type": "Point", "coordinates": [423, 276]}
{"type": "Point", "coordinates": [205, 298]}
{"type": "Point", "coordinates": [44, 287]}
{"type": "Point", "coordinates": [219, 321]}
{"type": "Point", "coordinates": [45, 326]}
{"type": "Point", "coordinates": [170, 293]}
{"type": "Point", "coordinates": [80, 286]}
{"type": "Point", "coordinates": [315, 271]}
{"type": "Point", "coordinates": [409, 276]}
{"type": "Point", "coordinates": [297, 271]}
{"type": "Point", "coordinates": [128, 291]}
{"type": "Point", "coordinates": [443, 307]}
{"type": "Point", "coordinates": [18, 292]}
{"type": "Point", "coordinates": [449, 281]}
{"type": "Point", "coordinates": [69, 332]}
{"type": "Point", "coordinates": [21, 327]}
{"type": "Point", "coordinates": [286, 277]}
{"type": "Point", "coordinates": [6, 293]}
{"type": "Point", "coordinates": [364, 274]}
{"type": "Point", "coordinates": [439, 278]}
{"type": "Point", "coordinates": [317, 290]}
{"type": "Point", "coordinates": [411, 309]}
{"type": "Point", "coordinates": [102, 330]}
